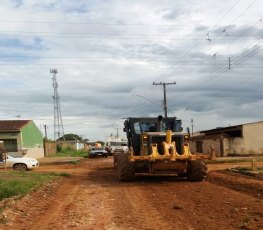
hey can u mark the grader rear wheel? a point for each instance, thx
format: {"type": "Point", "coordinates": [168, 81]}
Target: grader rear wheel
{"type": "Point", "coordinates": [115, 159]}
{"type": "Point", "coordinates": [197, 170]}
{"type": "Point", "coordinates": [125, 169]}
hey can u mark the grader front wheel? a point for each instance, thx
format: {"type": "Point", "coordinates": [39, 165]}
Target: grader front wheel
{"type": "Point", "coordinates": [115, 159]}
{"type": "Point", "coordinates": [197, 170]}
{"type": "Point", "coordinates": [125, 169]}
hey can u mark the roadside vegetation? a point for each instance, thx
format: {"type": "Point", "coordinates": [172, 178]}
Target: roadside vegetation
{"type": "Point", "coordinates": [18, 184]}
{"type": "Point", "coordinates": [235, 160]}
{"type": "Point", "coordinates": [70, 152]}
{"type": "Point", "coordinates": [257, 171]}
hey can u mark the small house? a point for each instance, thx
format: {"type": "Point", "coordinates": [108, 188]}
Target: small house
{"type": "Point", "coordinates": [241, 140]}
{"type": "Point", "coordinates": [21, 137]}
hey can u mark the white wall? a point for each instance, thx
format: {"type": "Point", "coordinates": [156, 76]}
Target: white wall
{"type": "Point", "coordinates": [250, 143]}
{"type": "Point", "coordinates": [35, 153]}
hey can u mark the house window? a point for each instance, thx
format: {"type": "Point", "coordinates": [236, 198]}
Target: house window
{"type": "Point", "coordinates": [10, 145]}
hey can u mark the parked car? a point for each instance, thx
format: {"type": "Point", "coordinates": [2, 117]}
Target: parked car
{"type": "Point", "coordinates": [21, 163]}
{"type": "Point", "coordinates": [98, 151]}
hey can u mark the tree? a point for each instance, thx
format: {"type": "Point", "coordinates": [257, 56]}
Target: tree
{"type": "Point", "coordinates": [70, 137]}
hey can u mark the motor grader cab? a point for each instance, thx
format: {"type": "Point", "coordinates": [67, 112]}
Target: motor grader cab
{"type": "Point", "coordinates": [157, 146]}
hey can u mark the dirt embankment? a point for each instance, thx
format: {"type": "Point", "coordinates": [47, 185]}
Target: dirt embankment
{"type": "Point", "coordinates": [93, 199]}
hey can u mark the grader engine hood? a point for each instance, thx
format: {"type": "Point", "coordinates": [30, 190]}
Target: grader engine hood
{"type": "Point", "coordinates": [158, 138]}
{"type": "Point", "coordinates": [164, 145]}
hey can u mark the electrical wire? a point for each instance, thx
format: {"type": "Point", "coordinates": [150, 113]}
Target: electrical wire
{"type": "Point", "coordinates": [200, 40]}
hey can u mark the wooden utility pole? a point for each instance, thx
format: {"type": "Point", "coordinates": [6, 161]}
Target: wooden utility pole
{"type": "Point", "coordinates": [164, 94]}
{"type": "Point", "coordinates": [45, 127]}
{"type": "Point", "coordinates": [192, 124]}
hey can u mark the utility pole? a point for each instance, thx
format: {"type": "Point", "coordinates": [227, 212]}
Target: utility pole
{"type": "Point", "coordinates": [164, 94]}
{"type": "Point", "coordinates": [58, 124]}
{"type": "Point", "coordinates": [45, 127]}
{"type": "Point", "coordinates": [192, 124]}
{"type": "Point", "coordinates": [118, 132]}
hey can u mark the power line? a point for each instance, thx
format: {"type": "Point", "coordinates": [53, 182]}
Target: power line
{"type": "Point", "coordinates": [99, 35]}
{"type": "Point", "coordinates": [95, 23]}
{"type": "Point", "coordinates": [252, 53]}
{"type": "Point", "coordinates": [197, 44]}
{"type": "Point", "coordinates": [200, 40]}
{"type": "Point", "coordinates": [250, 5]}
{"type": "Point", "coordinates": [119, 38]}
{"type": "Point", "coordinates": [222, 70]}
{"type": "Point", "coordinates": [257, 43]}
{"type": "Point", "coordinates": [244, 80]}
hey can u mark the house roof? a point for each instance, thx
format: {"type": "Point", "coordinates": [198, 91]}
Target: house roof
{"type": "Point", "coordinates": [229, 128]}
{"type": "Point", "coordinates": [13, 125]}
{"type": "Point", "coordinates": [222, 130]}
{"type": "Point", "coordinates": [230, 131]}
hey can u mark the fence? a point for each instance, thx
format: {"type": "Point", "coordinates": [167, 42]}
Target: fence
{"type": "Point", "coordinates": [50, 148]}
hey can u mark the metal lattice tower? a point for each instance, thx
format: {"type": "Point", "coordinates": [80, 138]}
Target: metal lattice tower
{"type": "Point", "coordinates": [58, 124]}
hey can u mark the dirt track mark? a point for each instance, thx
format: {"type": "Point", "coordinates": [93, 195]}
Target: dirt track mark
{"type": "Point", "coordinates": [93, 199]}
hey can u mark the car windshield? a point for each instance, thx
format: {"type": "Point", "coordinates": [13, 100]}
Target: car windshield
{"type": "Point", "coordinates": [118, 143]}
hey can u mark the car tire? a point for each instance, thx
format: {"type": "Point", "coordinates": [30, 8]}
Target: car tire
{"type": "Point", "coordinates": [20, 167]}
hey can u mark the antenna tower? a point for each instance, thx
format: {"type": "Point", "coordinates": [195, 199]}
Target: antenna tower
{"type": "Point", "coordinates": [58, 124]}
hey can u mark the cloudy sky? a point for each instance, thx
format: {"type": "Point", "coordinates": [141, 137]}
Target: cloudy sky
{"type": "Point", "coordinates": [109, 52]}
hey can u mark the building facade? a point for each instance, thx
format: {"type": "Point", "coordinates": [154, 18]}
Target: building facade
{"type": "Point", "coordinates": [240, 140]}
{"type": "Point", "coordinates": [21, 137]}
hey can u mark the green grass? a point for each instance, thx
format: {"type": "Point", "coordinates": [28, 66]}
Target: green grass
{"type": "Point", "coordinates": [69, 152]}
{"type": "Point", "coordinates": [247, 169]}
{"type": "Point", "coordinates": [18, 184]}
{"type": "Point", "coordinates": [232, 160]}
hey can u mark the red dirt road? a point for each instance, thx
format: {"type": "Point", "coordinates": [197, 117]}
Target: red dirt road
{"type": "Point", "coordinates": [92, 199]}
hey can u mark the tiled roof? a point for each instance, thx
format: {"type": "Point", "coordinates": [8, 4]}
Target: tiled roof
{"type": "Point", "coordinates": [12, 125]}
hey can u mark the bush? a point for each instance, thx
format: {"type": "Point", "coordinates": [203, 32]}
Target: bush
{"type": "Point", "coordinates": [70, 152]}
{"type": "Point", "coordinates": [59, 147]}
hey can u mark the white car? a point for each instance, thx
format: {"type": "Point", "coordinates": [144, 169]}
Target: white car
{"type": "Point", "coordinates": [21, 163]}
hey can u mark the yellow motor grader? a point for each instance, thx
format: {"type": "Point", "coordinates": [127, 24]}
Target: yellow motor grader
{"type": "Point", "coordinates": [158, 146]}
